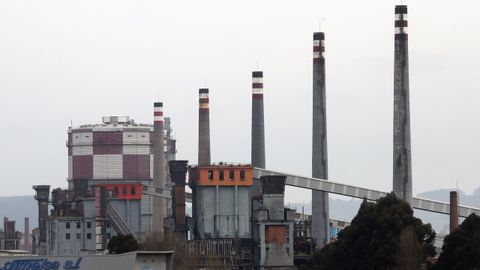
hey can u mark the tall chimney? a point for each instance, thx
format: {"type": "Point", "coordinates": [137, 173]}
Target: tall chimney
{"type": "Point", "coordinates": [320, 216]}
{"type": "Point", "coordinates": [453, 210]}
{"type": "Point", "coordinates": [159, 203]}
{"type": "Point", "coordinates": [258, 129]}
{"type": "Point", "coordinates": [178, 171]}
{"type": "Point", "coordinates": [42, 196]}
{"type": "Point", "coordinates": [26, 234]}
{"type": "Point", "coordinates": [402, 161]}
{"type": "Point", "coordinates": [203, 128]}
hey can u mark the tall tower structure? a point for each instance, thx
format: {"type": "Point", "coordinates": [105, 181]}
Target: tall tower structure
{"type": "Point", "coordinates": [203, 128]}
{"type": "Point", "coordinates": [42, 195]}
{"type": "Point", "coordinates": [159, 203]}
{"type": "Point", "coordinates": [320, 216]}
{"type": "Point", "coordinates": [402, 161]}
{"type": "Point", "coordinates": [258, 128]}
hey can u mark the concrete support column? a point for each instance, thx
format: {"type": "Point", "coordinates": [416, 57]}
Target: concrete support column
{"type": "Point", "coordinates": [217, 211]}
{"type": "Point", "coordinates": [237, 218]}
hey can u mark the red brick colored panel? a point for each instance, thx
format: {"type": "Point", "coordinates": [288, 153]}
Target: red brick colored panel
{"type": "Point", "coordinates": [107, 149]}
{"type": "Point", "coordinates": [136, 167]}
{"type": "Point", "coordinates": [82, 167]}
{"type": "Point", "coordinates": [275, 234]}
{"type": "Point", "coordinates": [108, 137]}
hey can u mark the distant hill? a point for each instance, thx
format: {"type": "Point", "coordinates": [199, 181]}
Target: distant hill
{"type": "Point", "coordinates": [346, 209]}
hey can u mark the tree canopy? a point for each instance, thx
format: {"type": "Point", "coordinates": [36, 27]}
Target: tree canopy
{"type": "Point", "coordinates": [461, 248]}
{"type": "Point", "coordinates": [381, 235]}
{"type": "Point", "coordinates": [122, 244]}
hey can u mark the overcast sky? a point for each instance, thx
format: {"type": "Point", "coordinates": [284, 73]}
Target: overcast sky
{"type": "Point", "coordinates": [71, 60]}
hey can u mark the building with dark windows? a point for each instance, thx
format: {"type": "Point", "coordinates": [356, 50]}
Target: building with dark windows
{"type": "Point", "coordinates": [109, 166]}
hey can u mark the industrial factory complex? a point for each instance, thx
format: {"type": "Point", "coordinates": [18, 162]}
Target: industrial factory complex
{"type": "Point", "coordinates": [124, 179]}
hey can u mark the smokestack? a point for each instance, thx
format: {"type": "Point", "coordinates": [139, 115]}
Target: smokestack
{"type": "Point", "coordinates": [203, 128]}
{"type": "Point", "coordinates": [320, 216]}
{"type": "Point", "coordinates": [402, 162]}
{"type": "Point", "coordinates": [42, 196]}
{"type": "Point", "coordinates": [258, 129]}
{"type": "Point", "coordinates": [159, 203]}
{"type": "Point", "coordinates": [26, 234]}
{"type": "Point", "coordinates": [453, 210]}
{"type": "Point", "coordinates": [178, 171]}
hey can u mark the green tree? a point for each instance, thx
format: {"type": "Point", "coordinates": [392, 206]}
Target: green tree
{"type": "Point", "coordinates": [373, 239]}
{"type": "Point", "coordinates": [122, 244]}
{"type": "Point", "coordinates": [461, 248]}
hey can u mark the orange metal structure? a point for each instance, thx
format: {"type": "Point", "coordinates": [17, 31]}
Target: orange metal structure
{"type": "Point", "coordinates": [124, 191]}
{"type": "Point", "coordinates": [221, 175]}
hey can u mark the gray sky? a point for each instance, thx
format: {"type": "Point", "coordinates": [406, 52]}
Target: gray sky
{"type": "Point", "coordinates": [63, 60]}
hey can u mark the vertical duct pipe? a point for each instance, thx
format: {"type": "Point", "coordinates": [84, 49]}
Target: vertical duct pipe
{"type": "Point", "coordinates": [159, 170]}
{"type": "Point", "coordinates": [26, 234]}
{"type": "Point", "coordinates": [258, 130]}
{"type": "Point", "coordinates": [178, 171]}
{"type": "Point", "coordinates": [203, 128]}
{"type": "Point", "coordinates": [100, 218]}
{"type": "Point", "coordinates": [402, 161]}
{"type": "Point", "coordinates": [320, 216]}
{"type": "Point", "coordinates": [453, 210]}
{"type": "Point", "coordinates": [42, 195]}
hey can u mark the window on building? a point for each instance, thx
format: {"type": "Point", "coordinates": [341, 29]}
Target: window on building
{"type": "Point", "coordinates": [89, 236]}
{"type": "Point", "coordinates": [210, 175]}
{"type": "Point", "coordinates": [124, 190]}
{"type": "Point", "coordinates": [79, 225]}
{"type": "Point", "coordinates": [67, 236]}
{"type": "Point", "coordinates": [231, 175]}
{"type": "Point", "coordinates": [108, 235]}
{"type": "Point", "coordinates": [79, 236]}
{"type": "Point", "coordinates": [89, 225]}
{"type": "Point", "coordinates": [108, 224]}
{"type": "Point", "coordinates": [220, 175]}
{"type": "Point", "coordinates": [132, 190]}
{"type": "Point", "coordinates": [115, 191]}
{"type": "Point", "coordinates": [242, 175]}
{"type": "Point", "coordinates": [67, 225]}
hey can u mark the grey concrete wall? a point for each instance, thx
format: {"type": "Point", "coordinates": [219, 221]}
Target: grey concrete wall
{"type": "Point", "coordinates": [129, 211]}
{"type": "Point", "coordinates": [273, 203]}
{"type": "Point", "coordinates": [320, 215]}
{"type": "Point", "coordinates": [244, 212]}
{"type": "Point", "coordinates": [82, 238]}
{"type": "Point", "coordinates": [222, 214]}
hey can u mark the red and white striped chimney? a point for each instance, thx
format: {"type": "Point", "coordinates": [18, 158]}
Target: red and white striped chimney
{"type": "Point", "coordinates": [159, 204]}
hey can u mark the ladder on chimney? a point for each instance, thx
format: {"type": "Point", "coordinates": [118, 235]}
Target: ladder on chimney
{"type": "Point", "coordinates": [118, 224]}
